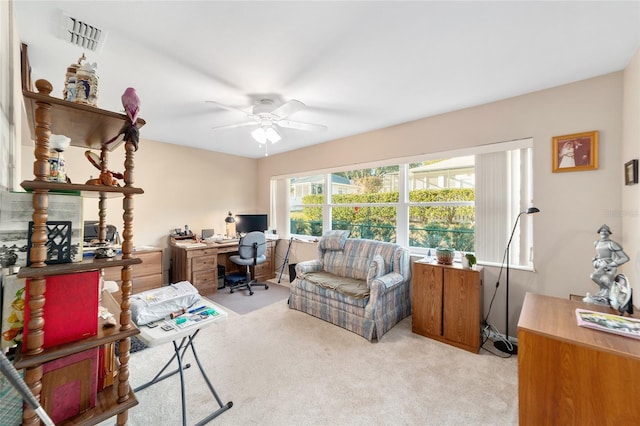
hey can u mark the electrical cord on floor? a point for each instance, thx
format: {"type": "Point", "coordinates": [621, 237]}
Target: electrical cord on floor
{"type": "Point", "coordinates": [486, 332]}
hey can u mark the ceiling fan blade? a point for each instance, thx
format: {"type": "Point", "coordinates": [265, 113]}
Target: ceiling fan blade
{"type": "Point", "coordinates": [229, 107]}
{"type": "Point", "coordinates": [236, 125]}
{"type": "Point", "coordinates": [298, 125]}
{"type": "Point", "coordinates": [288, 108]}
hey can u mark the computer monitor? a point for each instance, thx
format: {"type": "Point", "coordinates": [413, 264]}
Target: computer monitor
{"type": "Point", "coordinates": [246, 223]}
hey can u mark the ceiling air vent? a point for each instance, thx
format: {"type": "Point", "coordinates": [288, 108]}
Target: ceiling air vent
{"type": "Point", "coordinates": [80, 33]}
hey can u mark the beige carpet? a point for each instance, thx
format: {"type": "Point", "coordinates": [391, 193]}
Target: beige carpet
{"type": "Point", "coordinates": [242, 303]}
{"type": "Point", "coordinates": [284, 367]}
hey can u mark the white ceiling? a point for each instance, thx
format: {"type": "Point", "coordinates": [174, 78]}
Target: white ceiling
{"type": "Point", "coordinates": [358, 66]}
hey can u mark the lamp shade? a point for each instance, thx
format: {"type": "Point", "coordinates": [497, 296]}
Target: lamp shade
{"type": "Point", "coordinates": [272, 135]}
{"type": "Point", "coordinates": [230, 218]}
{"type": "Point", "coordinates": [266, 134]}
{"type": "Point", "coordinates": [259, 135]}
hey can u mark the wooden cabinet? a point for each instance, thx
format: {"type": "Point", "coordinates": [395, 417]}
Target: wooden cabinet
{"type": "Point", "coordinates": [145, 276]}
{"type": "Point", "coordinates": [199, 264]}
{"type": "Point", "coordinates": [571, 375]}
{"type": "Point", "coordinates": [446, 304]}
{"type": "Point", "coordinates": [88, 127]}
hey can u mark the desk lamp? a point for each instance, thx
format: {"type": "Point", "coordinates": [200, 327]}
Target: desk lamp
{"type": "Point", "coordinates": [230, 224]}
{"type": "Point", "coordinates": [510, 348]}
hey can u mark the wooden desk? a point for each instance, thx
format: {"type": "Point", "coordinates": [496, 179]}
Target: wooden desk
{"type": "Point", "coordinates": [199, 264]}
{"type": "Point", "coordinates": [570, 375]}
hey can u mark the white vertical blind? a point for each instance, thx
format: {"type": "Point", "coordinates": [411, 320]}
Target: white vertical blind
{"type": "Point", "coordinates": [492, 184]}
{"type": "Point", "coordinates": [503, 190]}
{"type": "Point", "coordinates": [402, 213]}
{"type": "Point", "coordinates": [280, 206]}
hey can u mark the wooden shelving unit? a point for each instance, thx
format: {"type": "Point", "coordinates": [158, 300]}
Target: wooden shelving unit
{"type": "Point", "coordinates": [88, 127]}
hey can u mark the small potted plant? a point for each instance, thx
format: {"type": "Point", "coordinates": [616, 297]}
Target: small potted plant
{"type": "Point", "coordinates": [444, 253]}
{"type": "Point", "coordinates": [470, 260]}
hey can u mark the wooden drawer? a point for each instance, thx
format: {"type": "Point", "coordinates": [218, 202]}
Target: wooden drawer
{"type": "Point", "coordinates": [263, 269]}
{"type": "Point", "coordinates": [203, 263]}
{"type": "Point", "coordinates": [151, 264]}
{"type": "Point", "coordinates": [232, 249]}
{"type": "Point", "coordinates": [205, 280]}
{"type": "Point", "coordinates": [146, 283]}
{"type": "Point", "coordinates": [140, 284]}
{"type": "Point", "coordinates": [202, 252]}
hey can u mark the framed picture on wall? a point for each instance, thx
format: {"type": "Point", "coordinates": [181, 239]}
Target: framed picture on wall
{"type": "Point", "coordinates": [575, 152]}
{"type": "Point", "coordinates": [631, 172]}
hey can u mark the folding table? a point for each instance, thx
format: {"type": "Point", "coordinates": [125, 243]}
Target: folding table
{"type": "Point", "coordinates": [184, 330]}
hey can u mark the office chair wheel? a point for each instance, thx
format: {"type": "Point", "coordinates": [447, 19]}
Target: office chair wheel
{"type": "Point", "coordinates": [266, 287]}
{"type": "Point", "coordinates": [250, 293]}
{"type": "Point", "coordinates": [231, 291]}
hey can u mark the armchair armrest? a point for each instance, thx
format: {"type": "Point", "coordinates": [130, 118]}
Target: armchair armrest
{"type": "Point", "coordinates": [384, 284]}
{"type": "Point", "coordinates": [308, 266]}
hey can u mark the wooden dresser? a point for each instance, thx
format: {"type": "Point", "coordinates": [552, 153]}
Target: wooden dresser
{"type": "Point", "coordinates": [198, 264]}
{"type": "Point", "coordinates": [571, 375]}
{"type": "Point", "coordinates": [145, 276]}
{"type": "Point", "coordinates": [446, 304]}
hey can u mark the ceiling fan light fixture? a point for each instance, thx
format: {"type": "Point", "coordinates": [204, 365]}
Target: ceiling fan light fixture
{"type": "Point", "coordinates": [272, 135]}
{"type": "Point", "coordinates": [266, 134]}
{"type": "Point", "coordinates": [259, 135]}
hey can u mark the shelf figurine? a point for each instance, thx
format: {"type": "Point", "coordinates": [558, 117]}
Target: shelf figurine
{"type": "Point", "coordinates": [614, 288]}
{"type": "Point", "coordinates": [130, 131]}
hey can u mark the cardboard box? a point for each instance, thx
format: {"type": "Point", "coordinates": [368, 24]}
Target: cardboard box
{"type": "Point", "coordinates": [70, 308]}
{"type": "Point", "coordinates": [69, 385]}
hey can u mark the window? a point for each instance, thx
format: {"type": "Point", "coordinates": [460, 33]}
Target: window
{"type": "Point", "coordinates": [467, 200]}
{"type": "Point", "coordinates": [306, 203]}
{"type": "Point", "coordinates": [365, 202]}
{"type": "Point", "coordinates": [441, 203]}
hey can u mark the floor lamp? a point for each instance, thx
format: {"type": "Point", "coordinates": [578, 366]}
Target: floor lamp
{"type": "Point", "coordinates": [502, 345]}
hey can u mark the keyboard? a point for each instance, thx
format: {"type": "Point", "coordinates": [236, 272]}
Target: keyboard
{"type": "Point", "coordinates": [228, 240]}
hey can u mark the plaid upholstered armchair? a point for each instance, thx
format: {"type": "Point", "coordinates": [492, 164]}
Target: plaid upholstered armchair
{"type": "Point", "coordinates": [360, 285]}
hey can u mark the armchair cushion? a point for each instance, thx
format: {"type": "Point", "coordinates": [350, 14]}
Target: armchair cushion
{"type": "Point", "coordinates": [333, 240]}
{"type": "Point", "coordinates": [356, 267]}
{"type": "Point", "coordinates": [352, 288]}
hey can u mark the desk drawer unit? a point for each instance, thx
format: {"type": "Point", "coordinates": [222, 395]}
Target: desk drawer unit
{"type": "Point", "coordinates": [203, 266]}
{"type": "Point", "coordinates": [144, 276]}
{"type": "Point", "coordinates": [264, 271]}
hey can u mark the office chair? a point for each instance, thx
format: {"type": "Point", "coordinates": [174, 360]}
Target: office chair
{"type": "Point", "coordinates": [251, 252]}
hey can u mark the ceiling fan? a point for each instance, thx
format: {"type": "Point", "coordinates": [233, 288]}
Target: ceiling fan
{"type": "Point", "coordinates": [268, 117]}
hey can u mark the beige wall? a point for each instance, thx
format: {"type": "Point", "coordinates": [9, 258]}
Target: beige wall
{"type": "Point", "coordinates": [573, 205]}
{"type": "Point", "coordinates": [182, 186]}
{"type": "Point", "coordinates": [630, 211]}
{"type": "Point", "coordinates": [196, 187]}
